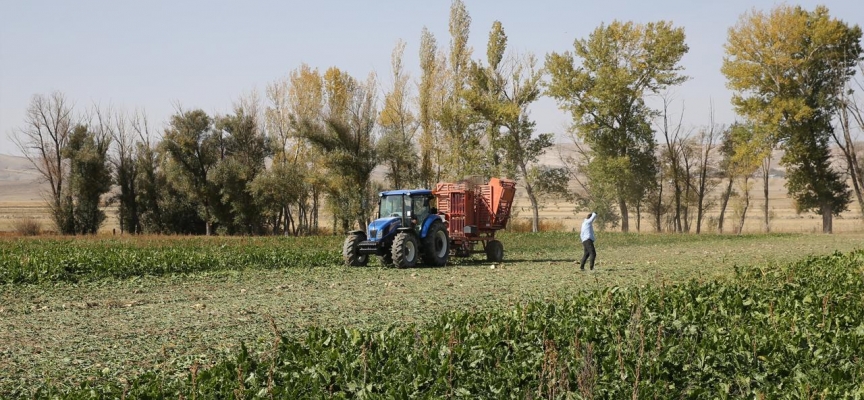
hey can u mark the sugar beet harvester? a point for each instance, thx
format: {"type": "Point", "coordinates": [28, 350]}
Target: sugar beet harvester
{"type": "Point", "coordinates": [433, 224]}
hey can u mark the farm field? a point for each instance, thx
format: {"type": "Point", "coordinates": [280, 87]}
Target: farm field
{"type": "Point", "coordinates": [108, 310]}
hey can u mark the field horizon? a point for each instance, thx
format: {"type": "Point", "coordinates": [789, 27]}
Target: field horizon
{"type": "Point", "coordinates": [21, 196]}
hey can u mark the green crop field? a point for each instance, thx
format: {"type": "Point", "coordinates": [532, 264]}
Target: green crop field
{"type": "Point", "coordinates": [662, 316]}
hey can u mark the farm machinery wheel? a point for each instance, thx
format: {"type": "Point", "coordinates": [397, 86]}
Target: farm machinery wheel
{"type": "Point", "coordinates": [436, 245]}
{"type": "Point", "coordinates": [405, 250]}
{"type": "Point", "coordinates": [494, 251]}
{"type": "Point", "coordinates": [351, 251]}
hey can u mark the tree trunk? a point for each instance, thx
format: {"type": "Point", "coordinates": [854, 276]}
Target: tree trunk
{"type": "Point", "coordinates": [678, 227]}
{"type": "Point", "coordinates": [827, 218]}
{"type": "Point", "coordinates": [315, 202]}
{"type": "Point", "coordinates": [638, 216]}
{"type": "Point", "coordinates": [743, 215]}
{"type": "Point", "coordinates": [847, 145]}
{"type": "Point", "coordinates": [658, 220]}
{"type": "Point", "coordinates": [535, 208]}
{"type": "Point", "coordinates": [746, 205]}
{"type": "Point", "coordinates": [766, 169]}
{"type": "Point", "coordinates": [699, 217]}
{"type": "Point", "coordinates": [625, 223]}
{"type": "Point", "coordinates": [724, 200]}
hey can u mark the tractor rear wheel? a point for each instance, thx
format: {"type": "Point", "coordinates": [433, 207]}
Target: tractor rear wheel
{"type": "Point", "coordinates": [405, 250]}
{"type": "Point", "coordinates": [436, 245]}
{"type": "Point", "coordinates": [494, 251]}
{"type": "Point", "coordinates": [351, 251]}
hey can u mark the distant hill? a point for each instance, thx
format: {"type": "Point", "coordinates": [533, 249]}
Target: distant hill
{"type": "Point", "coordinates": [19, 180]}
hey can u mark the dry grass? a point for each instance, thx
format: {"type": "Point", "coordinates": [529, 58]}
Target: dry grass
{"type": "Point", "coordinates": [522, 225]}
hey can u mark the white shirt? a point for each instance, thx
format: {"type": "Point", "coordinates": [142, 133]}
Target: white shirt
{"type": "Point", "coordinates": [588, 228]}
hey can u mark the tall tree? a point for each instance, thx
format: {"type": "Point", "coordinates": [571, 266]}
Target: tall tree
{"type": "Point", "coordinates": [428, 101]}
{"type": "Point", "coordinates": [850, 115]}
{"type": "Point", "coordinates": [398, 124]}
{"type": "Point", "coordinates": [743, 151]}
{"type": "Point", "coordinates": [48, 126]}
{"type": "Point", "coordinates": [191, 152]}
{"type": "Point", "coordinates": [672, 167]}
{"type": "Point", "coordinates": [620, 64]}
{"type": "Point", "coordinates": [296, 165]}
{"type": "Point", "coordinates": [90, 176]}
{"type": "Point", "coordinates": [149, 180]}
{"type": "Point", "coordinates": [501, 92]}
{"type": "Point", "coordinates": [706, 181]}
{"type": "Point", "coordinates": [125, 172]}
{"type": "Point", "coordinates": [346, 136]}
{"type": "Point", "coordinates": [461, 135]}
{"type": "Point", "coordinates": [242, 160]}
{"type": "Point", "coordinates": [787, 68]}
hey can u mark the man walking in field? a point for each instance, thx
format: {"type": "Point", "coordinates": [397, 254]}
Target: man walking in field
{"type": "Point", "coordinates": [587, 237]}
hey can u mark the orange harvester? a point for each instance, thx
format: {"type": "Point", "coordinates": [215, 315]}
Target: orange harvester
{"type": "Point", "coordinates": [474, 212]}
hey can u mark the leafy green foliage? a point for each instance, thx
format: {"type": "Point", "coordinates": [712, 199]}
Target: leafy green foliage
{"type": "Point", "coordinates": [788, 331]}
{"type": "Point", "coordinates": [501, 94]}
{"type": "Point", "coordinates": [788, 68]}
{"type": "Point", "coordinates": [396, 146]}
{"type": "Point", "coordinates": [618, 65]}
{"type": "Point", "coordinates": [190, 150]}
{"type": "Point", "coordinates": [90, 177]}
{"type": "Point", "coordinates": [346, 137]}
{"type": "Point", "coordinates": [66, 260]}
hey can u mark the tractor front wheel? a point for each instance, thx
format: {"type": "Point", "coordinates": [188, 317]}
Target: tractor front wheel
{"type": "Point", "coordinates": [405, 250]}
{"type": "Point", "coordinates": [494, 251]}
{"type": "Point", "coordinates": [351, 251]}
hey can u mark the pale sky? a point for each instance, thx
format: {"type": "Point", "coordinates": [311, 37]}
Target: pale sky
{"type": "Point", "coordinates": [154, 54]}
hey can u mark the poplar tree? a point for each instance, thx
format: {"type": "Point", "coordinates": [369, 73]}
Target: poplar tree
{"type": "Point", "coordinates": [787, 68]}
{"type": "Point", "coordinates": [603, 83]}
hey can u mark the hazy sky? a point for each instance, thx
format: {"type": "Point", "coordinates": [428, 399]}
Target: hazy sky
{"type": "Point", "coordinates": [155, 54]}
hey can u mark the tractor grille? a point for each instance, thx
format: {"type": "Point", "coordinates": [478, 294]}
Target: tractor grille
{"type": "Point", "coordinates": [368, 247]}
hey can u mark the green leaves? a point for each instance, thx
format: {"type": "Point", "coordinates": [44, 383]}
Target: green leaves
{"type": "Point", "coordinates": [603, 84]}
{"type": "Point", "coordinates": [788, 67]}
{"type": "Point", "coordinates": [65, 260]}
{"type": "Point", "coordinates": [775, 332]}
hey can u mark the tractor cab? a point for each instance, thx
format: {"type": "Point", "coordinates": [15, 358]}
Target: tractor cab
{"type": "Point", "coordinates": [400, 208]}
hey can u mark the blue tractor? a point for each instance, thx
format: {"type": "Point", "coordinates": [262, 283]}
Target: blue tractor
{"type": "Point", "coordinates": [407, 230]}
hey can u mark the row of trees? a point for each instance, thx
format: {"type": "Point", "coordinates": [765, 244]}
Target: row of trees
{"type": "Point", "coordinates": [312, 143]}
{"type": "Point", "coordinates": [790, 70]}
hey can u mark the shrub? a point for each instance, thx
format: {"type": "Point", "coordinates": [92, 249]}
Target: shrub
{"type": "Point", "coordinates": [27, 226]}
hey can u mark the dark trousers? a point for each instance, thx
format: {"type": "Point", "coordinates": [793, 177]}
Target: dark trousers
{"type": "Point", "coordinates": [589, 252]}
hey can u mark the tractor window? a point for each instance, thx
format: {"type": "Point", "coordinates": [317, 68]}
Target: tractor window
{"type": "Point", "coordinates": [391, 206]}
{"type": "Point", "coordinates": [421, 208]}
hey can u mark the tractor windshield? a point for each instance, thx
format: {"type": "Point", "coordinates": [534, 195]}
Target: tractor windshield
{"type": "Point", "coordinates": [392, 206]}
